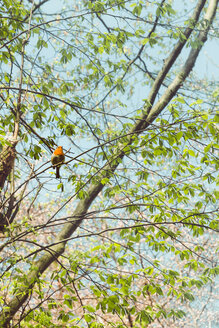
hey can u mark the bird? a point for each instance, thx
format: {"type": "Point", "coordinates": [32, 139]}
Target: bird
{"type": "Point", "coordinates": [57, 157]}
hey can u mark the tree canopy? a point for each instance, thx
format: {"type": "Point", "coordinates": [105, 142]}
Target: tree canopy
{"type": "Point", "coordinates": [126, 237]}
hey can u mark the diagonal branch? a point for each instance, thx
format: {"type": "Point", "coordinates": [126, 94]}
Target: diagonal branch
{"type": "Point", "coordinates": [175, 52]}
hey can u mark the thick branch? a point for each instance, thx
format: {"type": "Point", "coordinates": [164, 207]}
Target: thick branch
{"type": "Point", "coordinates": [187, 68]}
{"type": "Point", "coordinates": [175, 53]}
{"type": "Point", "coordinates": [7, 157]}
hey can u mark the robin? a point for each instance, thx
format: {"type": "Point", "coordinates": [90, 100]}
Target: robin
{"type": "Point", "coordinates": [57, 157]}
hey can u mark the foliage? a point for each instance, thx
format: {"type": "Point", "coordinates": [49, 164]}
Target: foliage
{"type": "Point", "coordinates": [128, 234]}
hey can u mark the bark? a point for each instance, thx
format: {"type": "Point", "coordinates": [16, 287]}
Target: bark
{"type": "Point", "coordinates": [7, 158]}
{"type": "Point", "coordinates": [8, 212]}
{"type": "Point", "coordinates": [149, 115]}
